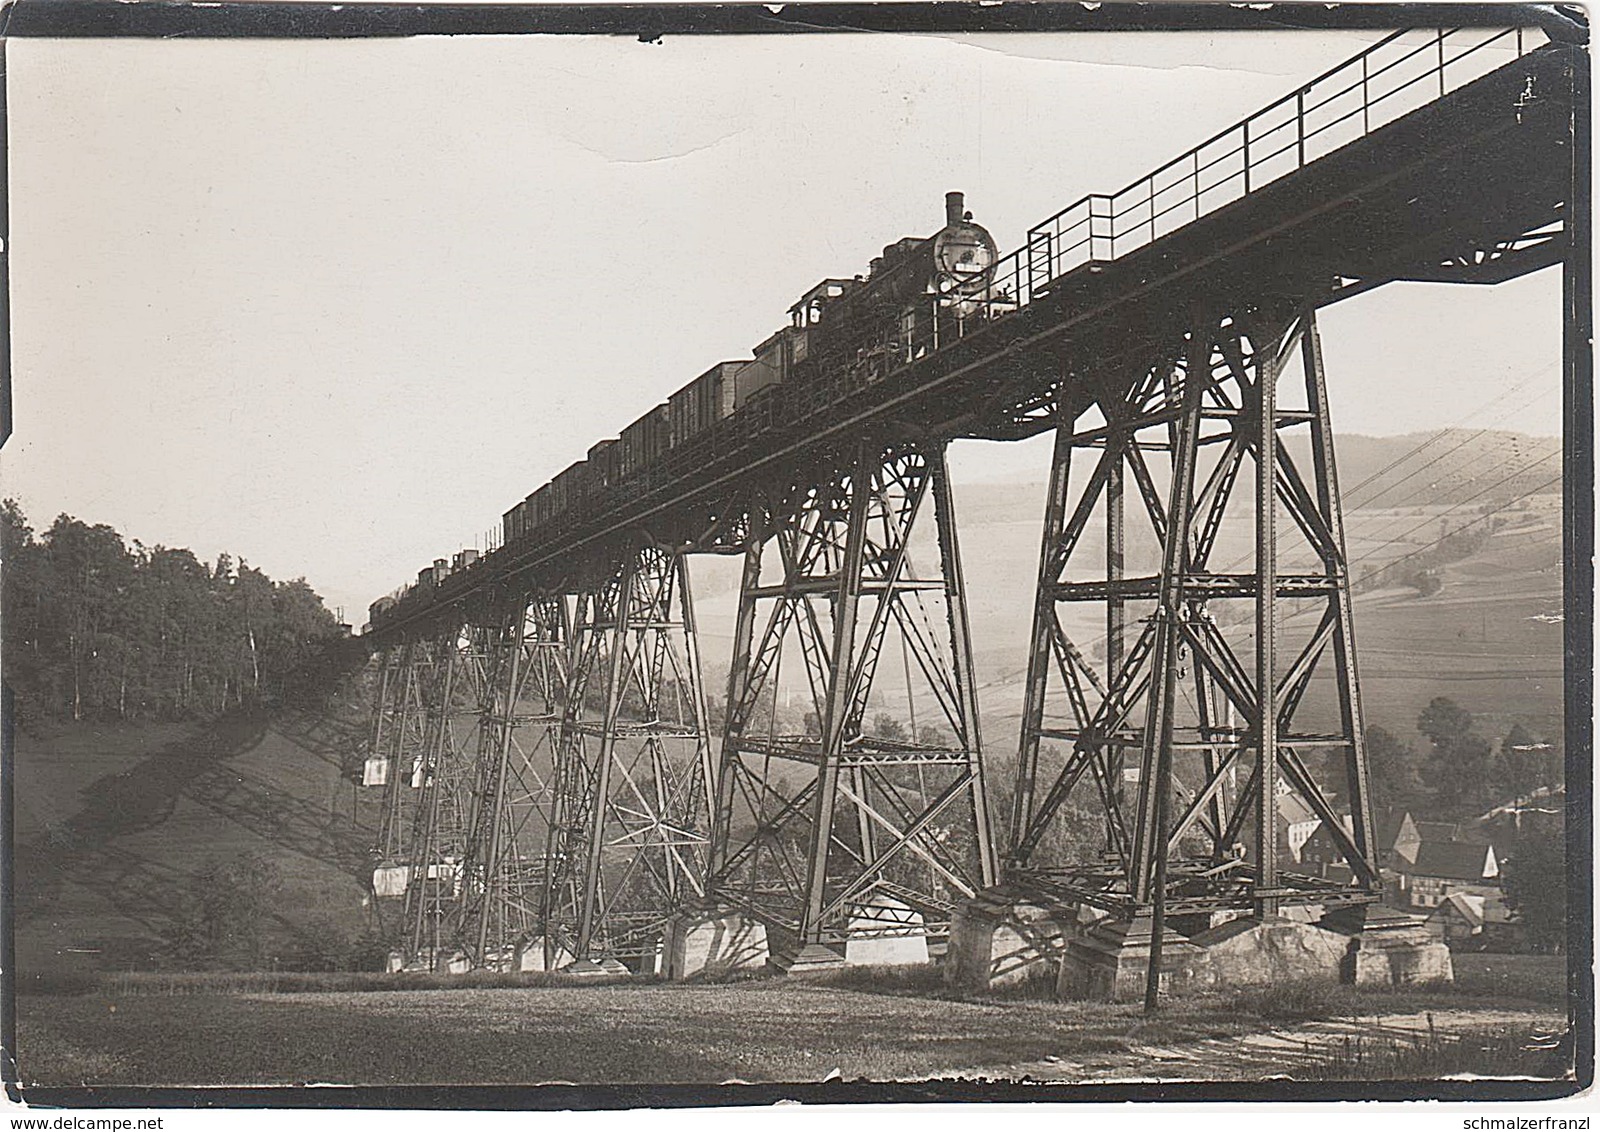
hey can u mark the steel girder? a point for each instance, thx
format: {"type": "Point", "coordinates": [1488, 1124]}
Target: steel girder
{"type": "Point", "coordinates": [630, 827]}
{"type": "Point", "coordinates": [443, 784]}
{"type": "Point", "coordinates": [400, 737]}
{"type": "Point", "coordinates": [520, 696]}
{"type": "Point", "coordinates": [467, 719]}
{"type": "Point", "coordinates": [1165, 785]}
{"type": "Point", "coordinates": [820, 816]}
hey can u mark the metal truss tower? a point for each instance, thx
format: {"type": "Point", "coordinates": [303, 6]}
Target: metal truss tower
{"type": "Point", "coordinates": [503, 870]}
{"type": "Point", "coordinates": [837, 825]}
{"type": "Point", "coordinates": [400, 738]}
{"type": "Point", "coordinates": [1173, 703]}
{"type": "Point", "coordinates": [467, 720]}
{"type": "Point", "coordinates": [630, 827]}
{"type": "Point", "coordinates": [442, 782]}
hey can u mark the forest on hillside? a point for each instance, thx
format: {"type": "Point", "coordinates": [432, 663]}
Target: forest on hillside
{"type": "Point", "coordinates": [98, 627]}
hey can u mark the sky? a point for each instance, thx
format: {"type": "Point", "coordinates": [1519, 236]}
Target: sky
{"type": "Point", "coordinates": [332, 307]}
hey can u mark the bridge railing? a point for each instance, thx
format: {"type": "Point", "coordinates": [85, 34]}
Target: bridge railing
{"type": "Point", "coordinates": [1395, 76]}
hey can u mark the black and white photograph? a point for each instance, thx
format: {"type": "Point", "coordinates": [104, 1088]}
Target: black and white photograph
{"type": "Point", "coordinates": [669, 556]}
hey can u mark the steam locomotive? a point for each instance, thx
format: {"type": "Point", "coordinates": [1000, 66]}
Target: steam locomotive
{"type": "Point", "coordinates": [918, 295]}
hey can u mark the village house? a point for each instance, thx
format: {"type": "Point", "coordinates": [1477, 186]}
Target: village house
{"type": "Point", "coordinates": [1445, 867]}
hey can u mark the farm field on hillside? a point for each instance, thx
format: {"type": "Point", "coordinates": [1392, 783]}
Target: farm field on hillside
{"type": "Point", "coordinates": [1489, 639]}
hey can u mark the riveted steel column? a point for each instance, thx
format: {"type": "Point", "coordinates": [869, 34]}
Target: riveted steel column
{"type": "Point", "coordinates": [733, 719]}
{"type": "Point", "coordinates": [493, 799]}
{"type": "Point", "coordinates": [1044, 613]}
{"type": "Point", "coordinates": [608, 740]}
{"type": "Point", "coordinates": [1268, 367]}
{"type": "Point", "coordinates": [842, 663]}
{"type": "Point", "coordinates": [961, 656]}
{"type": "Point", "coordinates": [1358, 780]}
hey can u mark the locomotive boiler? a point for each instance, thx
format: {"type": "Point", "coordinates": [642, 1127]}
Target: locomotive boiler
{"type": "Point", "coordinates": [918, 295]}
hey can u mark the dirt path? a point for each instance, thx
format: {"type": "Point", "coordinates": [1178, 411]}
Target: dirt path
{"type": "Point", "coordinates": [1277, 1052]}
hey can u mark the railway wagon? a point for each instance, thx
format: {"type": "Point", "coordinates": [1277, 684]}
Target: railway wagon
{"type": "Point", "coordinates": [704, 401]}
{"type": "Point", "coordinates": [463, 559]}
{"type": "Point", "coordinates": [434, 574]}
{"type": "Point", "coordinates": [605, 465]}
{"type": "Point", "coordinates": [540, 511]}
{"type": "Point", "coordinates": [646, 440]}
{"type": "Point", "coordinates": [514, 522]}
{"type": "Point", "coordinates": [569, 489]}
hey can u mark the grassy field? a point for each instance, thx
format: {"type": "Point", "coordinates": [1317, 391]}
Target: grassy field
{"type": "Point", "coordinates": [862, 1024]}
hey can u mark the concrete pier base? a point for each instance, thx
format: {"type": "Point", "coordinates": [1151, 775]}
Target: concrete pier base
{"type": "Point", "coordinates": [801, 960]}
{"type": "Point", "coordinates": [1389, 947]}
{"type": "Point", "coordinates": [709, 945]}
{"type": "Point", "coordinates": [1370, 945]}
{"type": "Point", "coordinates": [1108, 963]}
{"type": "Point", "coordinates": [1249, 952]}
{"type": "Point", "coordinates": [1004, 936]}
{"type": "Point", "coordinates": [531, 956]}
{"type": "Point", "coordinates": [596, 969]}
{"type": "Point", "coordinates": [885, 932]}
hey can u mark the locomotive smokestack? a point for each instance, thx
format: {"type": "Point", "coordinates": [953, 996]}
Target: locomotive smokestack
{"type": "Point", "coordinates": [953, 207]}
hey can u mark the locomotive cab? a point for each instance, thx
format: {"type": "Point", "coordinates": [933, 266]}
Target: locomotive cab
{"type": "Point", "coordinates": [809, 311]}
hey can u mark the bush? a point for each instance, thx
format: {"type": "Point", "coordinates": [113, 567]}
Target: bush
{"type": "Point", "coordinates": [221, 920]}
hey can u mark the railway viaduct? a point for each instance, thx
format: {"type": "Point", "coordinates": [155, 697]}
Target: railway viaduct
{"type": "Point", "coordinates": [557, 792]}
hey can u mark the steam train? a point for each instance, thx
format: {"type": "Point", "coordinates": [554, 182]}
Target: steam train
{"type": "Point", "coordinates": [917, 295]}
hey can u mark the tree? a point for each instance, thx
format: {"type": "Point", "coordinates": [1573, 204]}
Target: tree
{"type": "Point", "coordinates": [1392, 766]}
{"type": "Point", "coordinates": [1444, 721]}
{"type": "Point", "coordinates": [1529, 762]}
{"type": "Point", "coordinates": [1534, 878]}
{"type": "Point", "coordinates": [90, 570]}
{"type": "Point", "coordinates": [94, 627]}
{"type": "Point", "coordinates": [1461, 767]}
{"type": "Point", "coordinates": [888, 728]}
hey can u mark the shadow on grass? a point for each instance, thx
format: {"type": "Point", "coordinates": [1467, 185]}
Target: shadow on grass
{"type": "Point", "coordinates": [205, 768]}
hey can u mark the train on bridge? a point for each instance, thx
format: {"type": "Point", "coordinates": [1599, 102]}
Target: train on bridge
{"type": "Point", "coordinates": [919, 292]}
{"type": "Point", "coordinates": [548, 697]}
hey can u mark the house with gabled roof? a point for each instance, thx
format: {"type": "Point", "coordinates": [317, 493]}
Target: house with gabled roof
{"type": "Point", "coordinates": [1445, 867]}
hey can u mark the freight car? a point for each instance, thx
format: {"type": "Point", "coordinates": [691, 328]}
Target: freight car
{"type": "Point", "coordinates": [513, 524]}
{"type": "Point", "coordinates": [645, 441]}
{"type": "Point", "coordinates": [605, 465]}
{"type": "Point", "coordinates": [569, 489]}
{"type": "Point", "coordinates": [704, 401]}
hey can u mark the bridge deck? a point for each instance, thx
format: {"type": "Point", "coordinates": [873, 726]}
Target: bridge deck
{"type": "Point", "coordinates": [1474, 169]}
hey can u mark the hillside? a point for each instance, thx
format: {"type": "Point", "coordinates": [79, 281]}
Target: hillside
{"type": "Point", "coordinates": [1490, 638]}
{"type": "Point", "coordinates": [114, 824]}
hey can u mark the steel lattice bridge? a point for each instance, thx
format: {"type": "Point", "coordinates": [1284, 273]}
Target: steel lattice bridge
{"type": "Point", "coordinates": [557, 786]}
